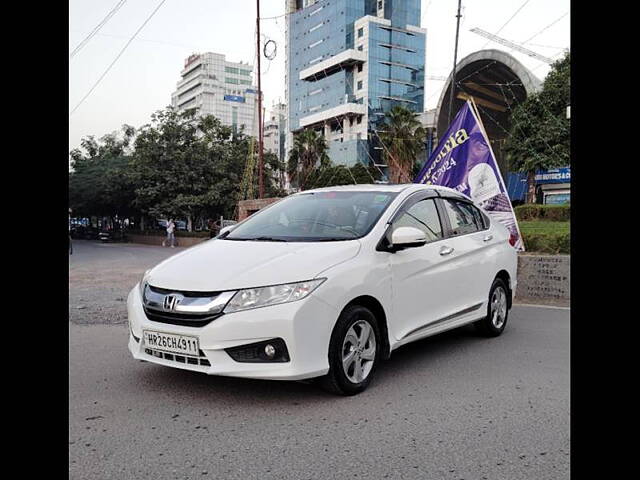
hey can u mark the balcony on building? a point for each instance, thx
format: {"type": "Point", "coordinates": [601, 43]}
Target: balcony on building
{"type": "Point", "coordinates": [347, 58]}
{"type": "Point", "coordinates": [343, 110]}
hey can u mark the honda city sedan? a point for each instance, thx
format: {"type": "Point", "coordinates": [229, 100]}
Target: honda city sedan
{"type": "Point", "coordinates": [326, 284]}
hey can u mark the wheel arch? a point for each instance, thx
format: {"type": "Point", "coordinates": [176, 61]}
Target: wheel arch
{"type": "Point", "coordinates": [377, 309]}
{"type": "Point", "coordinates": [506, 278]}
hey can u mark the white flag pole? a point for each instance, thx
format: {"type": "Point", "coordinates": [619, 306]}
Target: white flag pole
{"type": "Point", "coordinates": [476, 114]}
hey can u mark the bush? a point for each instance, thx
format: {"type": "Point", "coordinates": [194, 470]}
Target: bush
{"type": "Point", "coordinates": [547, 243]}
{"type": "Point", "coordinates": [556, 213]}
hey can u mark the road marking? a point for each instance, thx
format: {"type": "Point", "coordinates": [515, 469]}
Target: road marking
{"type": "Point", "coordinates": [540, 306]}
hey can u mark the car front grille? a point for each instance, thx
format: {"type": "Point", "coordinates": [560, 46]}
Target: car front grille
{"type": "Point", "coordinates": [174, 357]}
{"type": "Point", "coordinates": [154, 310]}
{"type": "Point", "coordinates": [185, 319]}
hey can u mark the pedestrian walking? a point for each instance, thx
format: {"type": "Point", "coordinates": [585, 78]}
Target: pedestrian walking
{"type": "Point", "coordinates": [171, 236]}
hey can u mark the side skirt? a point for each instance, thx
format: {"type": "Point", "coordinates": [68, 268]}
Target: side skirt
{"type": "Point", "coordinates": [455, 320]}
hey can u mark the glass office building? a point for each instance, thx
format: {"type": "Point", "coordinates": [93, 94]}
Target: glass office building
{"type": "Point", "coordinates": [349, 62]}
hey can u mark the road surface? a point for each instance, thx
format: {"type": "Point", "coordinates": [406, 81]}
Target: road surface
{"type": "Point", "coordinates": [454, 406]}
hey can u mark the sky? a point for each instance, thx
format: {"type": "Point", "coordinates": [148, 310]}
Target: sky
{"type": "Point", "coordinates": [143, 78]}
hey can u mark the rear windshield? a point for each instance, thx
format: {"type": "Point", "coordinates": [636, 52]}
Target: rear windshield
{"type": "Point", "coordinates": [319, 216]}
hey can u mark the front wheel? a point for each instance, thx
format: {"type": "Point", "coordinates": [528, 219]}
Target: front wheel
{"type": "Point", "coordinates": [354, 352]}
{"type": "Point", "coordinates": [497, 310]}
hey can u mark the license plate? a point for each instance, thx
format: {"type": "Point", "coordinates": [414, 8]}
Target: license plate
{"type": "Point", "coordinates": [171, 343]}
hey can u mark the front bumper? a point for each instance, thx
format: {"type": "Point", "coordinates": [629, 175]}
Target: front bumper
{"type": "Point", "coordinates": [305, 326]}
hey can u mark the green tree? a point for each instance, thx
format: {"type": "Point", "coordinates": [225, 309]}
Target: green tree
{"type": "Point", "coordinates": [99, 177]}
{"type": "Point", "coordinates": [402, 136]}
{"type": "Point", "coordinates": [330, 175]}
{"type": "Point", "coordinates": [192, 167]}
{"type": "Point", "coordinates": [540, 132]}
{"type": "Point", "coordinates": [187, 167]}
{"type": "Point", "coordinates": [309, 153]}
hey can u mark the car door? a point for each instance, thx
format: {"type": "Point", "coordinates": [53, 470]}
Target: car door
{"type": "Point", "coordinates": [472, 255]}
{"type": "Point", "coordinates": [424, 284]}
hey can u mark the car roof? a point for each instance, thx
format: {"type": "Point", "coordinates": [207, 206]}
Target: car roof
{"type": "Point", "coordinates": [381, 187]}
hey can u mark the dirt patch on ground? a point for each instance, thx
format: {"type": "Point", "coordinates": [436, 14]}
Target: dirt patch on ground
{"type": "Point", "coordinates": [102, 275]}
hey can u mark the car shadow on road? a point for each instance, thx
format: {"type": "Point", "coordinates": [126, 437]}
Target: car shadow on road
{"type": "Point", "coordinates": [392, 373]}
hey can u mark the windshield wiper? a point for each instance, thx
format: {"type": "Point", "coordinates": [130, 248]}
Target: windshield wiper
{"type": "Point", "coordinates": [266, 239]}
{"type": "Point", "coordinates": [333, 239]}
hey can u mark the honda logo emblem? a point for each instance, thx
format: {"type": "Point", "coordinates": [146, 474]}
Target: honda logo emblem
{"type": "Point", "coordinates": [171, 300]}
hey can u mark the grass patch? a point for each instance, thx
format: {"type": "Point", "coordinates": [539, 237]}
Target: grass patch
{"type": "Point", "coordinates": [544, 227]}
{"type": "Point", "coordinates": [541, 236]}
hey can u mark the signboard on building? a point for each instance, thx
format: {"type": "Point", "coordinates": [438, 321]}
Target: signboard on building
{"type": "Point", "coordinates": [234, 98]}
{"type": "Point", "coordinates": [191, 59]}
{"type": "Point", "coordinates": [554, 175]}
{"type": "Point", "coordinates": [557, 197]}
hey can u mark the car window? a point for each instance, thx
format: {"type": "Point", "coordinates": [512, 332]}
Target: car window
{"type": "Point", "coordinates": [481, 220]}
{"type": "Point", "coordinates": [462, 217]}
{"type": "Point", "coordinates": [424, 216]}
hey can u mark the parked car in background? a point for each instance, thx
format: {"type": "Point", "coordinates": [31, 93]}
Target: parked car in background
{"type": "Point", "coordinates": [327, 283]}
{"type": "Point", "coordinates": [111, 235]}
{"type": "Point", "coordinates": [84, 232]}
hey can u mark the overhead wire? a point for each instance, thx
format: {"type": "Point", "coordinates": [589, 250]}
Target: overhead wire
{"type": "Point", "coordinates": [547, 27]}
{"type": "Point", "coordinates": [507, 22]}
{"type": "Point", "coordinates": [173, 44]}
{"type": "Point", "coordinates": [97, 28]}
{"type": "Point", "coordinates": [117, 57]}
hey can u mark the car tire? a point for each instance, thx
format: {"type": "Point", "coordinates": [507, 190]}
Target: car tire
{"type": "Point", "coordinates": [356, 336]}
{"type": "Point", "coordinates": [497, 310]}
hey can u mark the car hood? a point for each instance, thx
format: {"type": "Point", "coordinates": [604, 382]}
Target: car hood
{"type": "Point", "coordinates": [217, 265]}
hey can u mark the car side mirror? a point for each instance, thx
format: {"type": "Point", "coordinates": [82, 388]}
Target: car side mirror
{"type": "Point", "coordinates": [225, 231]}
{"type": "Point", "coordinates": [407, 237]}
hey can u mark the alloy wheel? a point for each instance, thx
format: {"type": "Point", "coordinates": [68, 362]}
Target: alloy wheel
{"type": "Point", "coordinates": [358, 351]}
{"type": "Point", "coordinates": [498, 307]}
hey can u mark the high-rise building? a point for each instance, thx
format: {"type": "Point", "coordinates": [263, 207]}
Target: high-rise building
{"type": "Point", "coordinates": [275, 127]}
{"type": "Point", "coordinates": [215, 86]}
{"type": "Point", "coordinates": [348, 62]}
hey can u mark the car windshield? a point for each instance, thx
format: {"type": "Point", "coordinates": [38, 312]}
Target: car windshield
{"type": "Point", "coordinates": [316, 217]}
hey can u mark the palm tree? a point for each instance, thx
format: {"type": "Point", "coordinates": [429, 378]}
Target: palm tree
{"type": "Point", "coordinates": [402, 138]}
{"type": "Point", "coordinates": [308, 153]}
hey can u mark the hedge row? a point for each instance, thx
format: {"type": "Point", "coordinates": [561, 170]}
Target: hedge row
{"type": "Point", "coordinates": [547, 243]}
{"type": "Point", "coordinates": [559, 213]}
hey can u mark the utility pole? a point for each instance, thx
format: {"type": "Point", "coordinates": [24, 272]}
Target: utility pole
{"type": "Point", "coordinates": [455, 61]}
{"type": "Point", "coordinates": [260, 144]}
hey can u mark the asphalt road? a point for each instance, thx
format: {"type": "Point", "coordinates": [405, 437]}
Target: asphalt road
{"type": "Point", "coordinates": [454, 406]}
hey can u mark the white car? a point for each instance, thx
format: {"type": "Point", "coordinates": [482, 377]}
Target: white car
{"type": "Point", "coordinates": [326, 283]}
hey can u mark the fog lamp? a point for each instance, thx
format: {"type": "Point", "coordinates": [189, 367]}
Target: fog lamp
{"type": "Point", "coordinates": [269, 350]}
{"type": "Point", "coordinates": [272, 350]}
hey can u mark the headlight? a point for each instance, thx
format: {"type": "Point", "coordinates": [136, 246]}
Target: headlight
{"type": "Point", "coordinates": [143, 283]}
{"type": "Point", "coordinates": [264, 296]}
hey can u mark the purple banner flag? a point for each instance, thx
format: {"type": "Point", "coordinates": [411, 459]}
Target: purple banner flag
{"type": "Point", "coordinates": [464, 161]}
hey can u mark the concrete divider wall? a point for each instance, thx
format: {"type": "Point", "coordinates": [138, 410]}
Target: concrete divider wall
{"type": "Point", "coordinates": [157, 240]}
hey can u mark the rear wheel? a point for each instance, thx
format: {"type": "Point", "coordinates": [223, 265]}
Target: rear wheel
{"type": "Point", "coordinates": [354, 352]}
{"type": "Point", "coordinates": [497, 310]}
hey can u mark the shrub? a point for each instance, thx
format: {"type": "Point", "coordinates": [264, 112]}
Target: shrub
{"type": "Point", "coordinates": [547, 243]}
{"type": "Point", "coordinates": [556, 213]}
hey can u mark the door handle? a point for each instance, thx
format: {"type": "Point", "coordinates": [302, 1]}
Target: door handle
{"type": "Point", "coordinates": [446, 250]}
{"type": "Point", "coordinates": [487, 238]}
